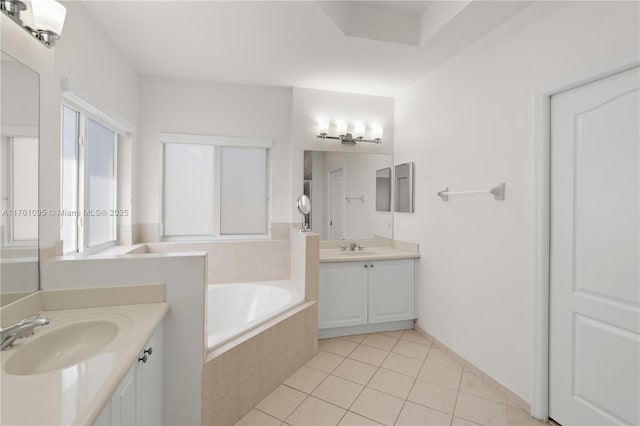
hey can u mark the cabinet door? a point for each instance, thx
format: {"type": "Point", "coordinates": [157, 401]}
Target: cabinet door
{"type": "Point", "coordinates": [104, 419]}
{"type": "Point", "coordinates": [152, 377]}
{"type": "Point", "coordinates": [391, 291]}
{"type": "Point", "coordinates": [342, 294]}
{"type": "Point", "coordinates": [125, 402]}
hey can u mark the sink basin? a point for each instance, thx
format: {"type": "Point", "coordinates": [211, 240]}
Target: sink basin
{"type": "Point", "coordinates": [358, 253]}
{"type": "Point", "coordinates": [59, 348]}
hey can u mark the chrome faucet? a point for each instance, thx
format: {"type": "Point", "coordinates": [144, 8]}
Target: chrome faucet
{"type": "Point", "coordinates": [355, 245]}
{"type": "Point", "coordinates": [24, 328]}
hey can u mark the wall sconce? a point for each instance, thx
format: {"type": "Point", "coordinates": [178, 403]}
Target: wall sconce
{"type": "Point", "coordinates": [48, 18]}
{"type": "Point", "coordinates": [346, 137]}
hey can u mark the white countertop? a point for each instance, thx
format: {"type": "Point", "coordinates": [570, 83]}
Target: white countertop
{"type": "Point", "coordinates": [368, 253]}
{"type": "Point", "coordinates": [77, 394]}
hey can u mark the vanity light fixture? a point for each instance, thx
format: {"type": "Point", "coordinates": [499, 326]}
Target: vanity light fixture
{"type": "Point", "coordinates": [350, 138]}
{"type": "Point", "coordinates": [48, 18]}
{"type": "Point", "coordinates": [13, 8]}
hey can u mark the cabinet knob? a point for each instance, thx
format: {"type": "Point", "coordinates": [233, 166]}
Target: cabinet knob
{"type": "Point", "coordinates": [366, 266]}
{"type": "Point", "coordinates": [149, 350]}
{"type": "Point", "coordinates": [143, 358]}
{"type": "Point", "coordinates": [371, 266]}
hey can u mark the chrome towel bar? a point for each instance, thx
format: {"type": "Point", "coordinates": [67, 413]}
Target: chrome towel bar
{"type": "Point", "coordinates": [497, 192]}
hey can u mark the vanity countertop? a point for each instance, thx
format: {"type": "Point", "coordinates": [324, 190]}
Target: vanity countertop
{"type": "Point", "coordinates": [367, 253]}
{"type": "Point", "coordinates": [78, 393]}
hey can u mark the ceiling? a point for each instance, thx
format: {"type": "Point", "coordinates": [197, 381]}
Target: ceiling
{"type": "Point", "coordinates": [297, 43]}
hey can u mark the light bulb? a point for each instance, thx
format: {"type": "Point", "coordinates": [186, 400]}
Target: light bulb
{"type": "Point", "coordinates": [377, 132]}
{"type": "Point", "coordinates": [48, 15]}
{"type": "Point", "coordinates": [358, 130]}
{"type": "Point", "coordinates": [342, 128]}
{"type": "Point", "coordinates": [323, 127]}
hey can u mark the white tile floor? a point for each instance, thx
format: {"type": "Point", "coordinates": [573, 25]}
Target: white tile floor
{"type": "Point", "coordinates": [391, 378]}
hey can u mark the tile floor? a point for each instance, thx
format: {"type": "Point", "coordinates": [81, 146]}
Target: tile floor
{"type": "Point", "coordinates": [391, 378]}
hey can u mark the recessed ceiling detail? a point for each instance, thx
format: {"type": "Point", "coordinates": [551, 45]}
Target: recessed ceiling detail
{"type": "Point", "coordinates": [394, 22]}
{"type": "Point", "coordinates": [376, 48]}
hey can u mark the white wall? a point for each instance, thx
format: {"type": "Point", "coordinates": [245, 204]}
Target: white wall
{"type": "Point", "coordinates": [311, 106]}
{"type": "Point", "coordinates": [469, 125]}
{"type": "Point", "coordinates": [174, 105]}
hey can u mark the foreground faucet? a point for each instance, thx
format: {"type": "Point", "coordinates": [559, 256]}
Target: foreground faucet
{"type": "Point", "coordinates": [21, 329]}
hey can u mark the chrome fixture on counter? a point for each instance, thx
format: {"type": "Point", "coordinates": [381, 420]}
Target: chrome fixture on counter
{"type": "Point", "coordinates": [21, 329]}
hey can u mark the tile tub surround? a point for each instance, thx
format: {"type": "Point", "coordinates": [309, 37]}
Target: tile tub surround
{"type": "Point", "coordinates": [241, 373]}
{"type": "Point", "coordinates": [409, 381]}
{"type": "Point", "coordinates": [237, 261]}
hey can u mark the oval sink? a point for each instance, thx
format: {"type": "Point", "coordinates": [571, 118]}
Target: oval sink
{"type": "Point", "coordinates": [60, 348]}
{"type": "Point", "coordinates": [358, 253]}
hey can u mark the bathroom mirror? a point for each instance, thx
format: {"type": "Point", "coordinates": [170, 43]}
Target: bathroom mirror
{"type": "Point", "coordinates": [19, 124]}
{"type": "Point", "coordinates": [383, 190]}
{"type": "Point", "coordinates": [342, 187]}
{"type": "Point", "coordinates": [404, 188]}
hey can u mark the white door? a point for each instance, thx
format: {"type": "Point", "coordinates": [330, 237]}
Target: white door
{"type": "Point", "coordinates": [594, 350]}
{"type": "Point", "coordinates": [336, 205]}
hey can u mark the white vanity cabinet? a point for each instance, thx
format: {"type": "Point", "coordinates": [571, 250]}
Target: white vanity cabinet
{"type": "Point", "coordinates": [366, 296]}
{"type": "Point", "coordinates": [139, 399]}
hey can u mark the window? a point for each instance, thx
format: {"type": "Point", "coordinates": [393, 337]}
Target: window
{"type": "Point", "coordinates": [19, 189]}
{"type": "Point", "coordinates": [88, 173]}
{"type": "Point", "coordinates": [213, 190]}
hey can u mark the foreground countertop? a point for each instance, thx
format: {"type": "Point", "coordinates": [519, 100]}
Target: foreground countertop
{"type": "Point", "coordinates": [78, 393]}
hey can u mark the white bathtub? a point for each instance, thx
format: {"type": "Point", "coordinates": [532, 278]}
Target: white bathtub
{"type": "Point", "coordinates": [234, 309]}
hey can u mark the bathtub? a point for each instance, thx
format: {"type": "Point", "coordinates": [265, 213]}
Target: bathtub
{"type": "Point", "coordinates": [234, 309]}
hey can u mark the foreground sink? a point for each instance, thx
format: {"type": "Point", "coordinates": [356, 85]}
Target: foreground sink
{"type": "Point", "coordinates": [61, 347]}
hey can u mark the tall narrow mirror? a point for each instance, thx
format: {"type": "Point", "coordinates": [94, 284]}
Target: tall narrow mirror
{"type": "Point", "coordinates": [20, 100]}
{"type": "Point", "coordinates": [404, 188]}
{"type": "Point", "coordinates": [383, 190]}
{"type": "Point", "coordinates": [342, 188]}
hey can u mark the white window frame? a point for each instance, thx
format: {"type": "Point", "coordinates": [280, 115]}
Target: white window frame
{"type": "Point", "coordinates": [218, 142]}
{"type": "Point", "coordinates": [82, 232]}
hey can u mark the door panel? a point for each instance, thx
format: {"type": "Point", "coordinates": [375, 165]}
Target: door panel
{"type": "Point", "coordinates": [342, 294]}
{"type": "Point", "coordinates": [595, 251]}
{"type": "Point", "coordinates": [391, 291]}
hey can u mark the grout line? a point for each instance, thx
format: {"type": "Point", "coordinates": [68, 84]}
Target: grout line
{"type": "Point", "coordinates": [455, 404]}
{"type": "Point", "coordinates": [263, 412]}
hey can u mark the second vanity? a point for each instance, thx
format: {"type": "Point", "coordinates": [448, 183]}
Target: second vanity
{"type": "Point", "coordinates": [368, 289]}
{"type": "Point", "coordinates": [99, 360]}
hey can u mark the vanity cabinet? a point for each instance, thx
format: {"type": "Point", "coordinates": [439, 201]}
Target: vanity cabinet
{"type": "Point", "coordinates": [365, 296]}
{"type": "Point", "coordinates": [139, 399]}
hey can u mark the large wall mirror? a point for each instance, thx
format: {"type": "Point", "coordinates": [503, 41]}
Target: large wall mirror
{"type": "Point", "coordinates": [342, 189]}
{"type": "Point", "coordinates": [20, 103]}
